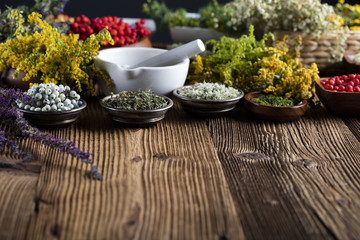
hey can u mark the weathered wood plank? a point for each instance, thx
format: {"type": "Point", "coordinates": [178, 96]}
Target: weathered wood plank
{"type": "Point", "coordinates": [296, 180]}
{"type": "Point", "coordinates": [163, 182]}
{"type": "Point", "coordinates": [17, 193]}
{"type": "Point", "coordinates": [354, 125]}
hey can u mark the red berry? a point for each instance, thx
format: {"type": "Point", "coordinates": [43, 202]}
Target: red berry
{"type": "Point", "coordinates": [336, 88]}
{"type": "Point", "coordinates": [84, 19]}
{"type": "Point", "coordinates": [89, 31]}
{"type": "Point", "coordinates": [332, 81]}
{"type": "Point", "coordinates": [329, 87]}
{"type": "Point", "coordinates": [75, 25]}
{"type": "Point", "coordinates": [341, 88]}
{"type": "Point", "coordinates": [82, 30]}
{"type": "Point", "coordinates": [356, 82]}
{"type": "Point", "coordinates": [351, 83]}
{"type": "Point", "coordinates": [357, 88]}
{"type": "Point", "coordinates": [349, 88]}
{"type": "Point", "coordinates": [338, 82]}
{"type": "Point", "coordinates": [113, 32]}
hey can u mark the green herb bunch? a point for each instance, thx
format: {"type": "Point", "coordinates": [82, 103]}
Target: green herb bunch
{"type": "Point", "coordinates": [140, 100]}
{"type": "Point", "coordinates": [47, 8]}
{"type": "Point", "coordinates": [277, 101]}
{"type": "Point", "coordinates": [251, 65]}
{"type": "Point", "coordinates": [213, 16]}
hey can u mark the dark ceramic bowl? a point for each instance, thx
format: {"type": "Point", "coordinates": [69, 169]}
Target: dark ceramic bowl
{"type": "Point", "coordinates": [273, 113]}
{"type": "Point", "coordinates": [53, 119]}
{"type": "Point", "coordinates": [137, 118]}
{"type": "Point", "coordinates": [339, 103]}
{"type": "Point", "coordinates": [207, 108]}
{"type": "Point", "coordinates": [7, 78]}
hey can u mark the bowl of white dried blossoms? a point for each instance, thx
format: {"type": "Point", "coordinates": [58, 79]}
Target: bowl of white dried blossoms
{"type": "Point", "coordinates": [51, 105]}
{"type": "Point", "coordinates": [208, 99]}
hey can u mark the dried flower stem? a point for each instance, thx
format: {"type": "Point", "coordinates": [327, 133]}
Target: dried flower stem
{"type": "Point", "coordinates": [12, 117]}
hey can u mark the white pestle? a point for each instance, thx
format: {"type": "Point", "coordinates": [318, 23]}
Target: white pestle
{"type": "Point", "coordinates": [173, 56]}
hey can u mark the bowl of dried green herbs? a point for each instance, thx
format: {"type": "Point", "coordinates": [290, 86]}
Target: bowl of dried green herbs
{"type": "Point", "coordinates": [274, 108]}
{"type": "Point", "coordinates": [136, 109]}
{"type": "Point", "coordinates": [208, 99]}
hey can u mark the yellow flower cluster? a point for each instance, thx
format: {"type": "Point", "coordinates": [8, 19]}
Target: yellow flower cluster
{"type": "Point", "coordinates": [268, 69]}
{"type": "Point", "coordinates": [350, 14]}
{"type": "Point", "coordinates": [56, 59]}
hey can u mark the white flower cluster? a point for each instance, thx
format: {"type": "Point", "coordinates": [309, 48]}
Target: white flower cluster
{"type": "Point", "coordinates": [209, 91]}
{"type": "Point", "coordinates": [51, 97]}
{"type": "Point", "coordinates": [248, 12]}
{"type": "Point", "coordinates": [307, 16]}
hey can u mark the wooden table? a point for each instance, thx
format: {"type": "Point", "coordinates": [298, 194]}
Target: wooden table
{"type": "Point", "coordinates": [188, 178]}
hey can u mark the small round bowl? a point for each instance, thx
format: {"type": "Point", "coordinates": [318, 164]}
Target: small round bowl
{"type": "Point", "coordinates": [273, 113]}
{"type": "Point", "coordinates": [184, 34]}
{"type": "Point", "coordinates": [137, 118]}
{"type": "Point", "coordinates": [339, 103]}
{"type": "Point", "coordinates": [53, 119]}
{"type": "Point", "coordinates": [207, 108]}
{"type": "Point", "coordinates": [7, 77]}
{"type": "Point", "coordinates": [161, 80]}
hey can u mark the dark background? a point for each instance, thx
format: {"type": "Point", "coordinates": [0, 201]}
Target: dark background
{"type": "Point", "coordinates": [128, 8]}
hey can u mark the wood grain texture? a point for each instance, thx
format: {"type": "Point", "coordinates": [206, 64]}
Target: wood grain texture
{"type": "Point", "coordinates": [190, 178]}
{"type": "Point", "coordinates": [296, 180]}
{"type": "Point", "coordinates": [163, 182]}
{"type": "Point", "coordinates": [17, 193]}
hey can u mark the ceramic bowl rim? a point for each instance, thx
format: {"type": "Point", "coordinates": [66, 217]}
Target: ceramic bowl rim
{"type": "Point", "coordinates": [176, 94]}
{"type": "Point", "coordinates": [247, 98]}
{"type": "Point", "coordinates": [54, 113]}
{"type": "Point", "coordinates": [99, 58]}
{"type": "Point", "coordinates": [168, 106]}
{"type": "Point", "coordinates": [318, 82]}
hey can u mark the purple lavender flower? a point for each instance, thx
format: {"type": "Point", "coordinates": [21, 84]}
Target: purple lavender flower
{"type": "Point", "coordinates": [12, 117]}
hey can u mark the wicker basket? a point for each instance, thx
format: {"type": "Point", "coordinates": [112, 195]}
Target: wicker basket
{"type": "Point", "coordinates": [353, 41]}
{"type": "Point", "coordinates": [324, 51]}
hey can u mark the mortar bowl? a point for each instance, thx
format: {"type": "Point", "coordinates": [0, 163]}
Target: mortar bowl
{"type": "Point", "coordinates": [161, 80]}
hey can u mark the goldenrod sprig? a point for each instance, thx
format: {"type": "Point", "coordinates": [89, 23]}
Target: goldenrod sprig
{"type": "Point", "coordinates": [56, 59]}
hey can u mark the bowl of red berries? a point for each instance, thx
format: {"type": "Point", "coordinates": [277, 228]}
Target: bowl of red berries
{"type": "Point", "coordinates": [340, 94]}
{"type": "Point", "coordinates": [124, 31]}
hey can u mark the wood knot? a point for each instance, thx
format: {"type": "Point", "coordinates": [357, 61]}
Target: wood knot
{"type": "Point", "coordinates": [39, 201]}
{"type": "Point", "coordinates": [273, 202]}
{"type": "Point", "coordinates": [341, 200]}
{"type": "Point", "coordinates": [252, 156]}
{"type": "Point", "coordinates": [55, 230]}
{"type": "Point", "coordinates": [136, 159]}
{"type": "Point", "coordinates": [223, 237]}
{"type": "Point", "coordinates": [161, 156]}
{"type": "Point", "coordinates": [305, 163]}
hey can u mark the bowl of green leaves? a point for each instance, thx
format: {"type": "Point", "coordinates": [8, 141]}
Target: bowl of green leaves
{"type": "Point", "coordinates": [274, 108]}
{"type": "Point", "coordinates": [136, 109]}
{"type": "Point", "coordinates": [208, 99]}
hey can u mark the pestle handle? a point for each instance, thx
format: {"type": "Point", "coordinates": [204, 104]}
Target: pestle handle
{"type": "Point", "coordinates": [173, 56]}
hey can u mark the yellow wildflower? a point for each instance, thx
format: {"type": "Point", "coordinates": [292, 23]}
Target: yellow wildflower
{"type": "Point", "coordinates": [58, 59]}
{"type": "Point", "coordinates": [251, 65]}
